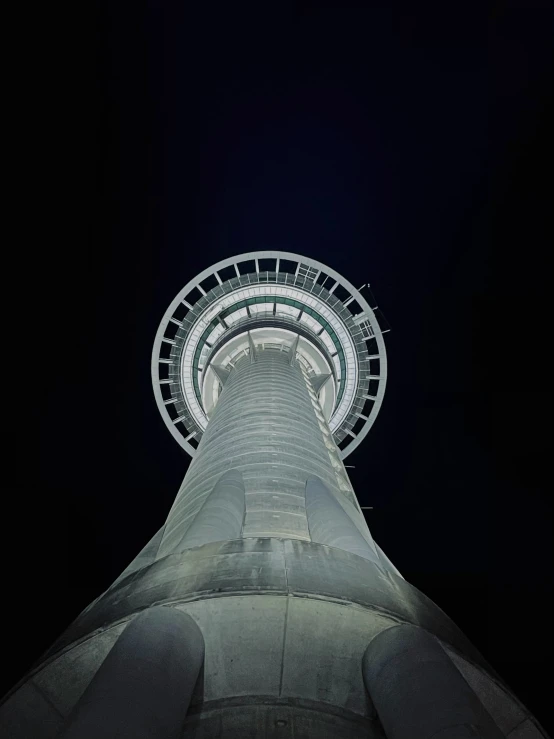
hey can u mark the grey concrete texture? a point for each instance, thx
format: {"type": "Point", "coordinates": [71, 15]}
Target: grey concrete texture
{"type": "Point", "coordinates": [406, 668]}
{"type": "Point", "coordinates": [265, 426]}
{"type": "Point", "coordinates": [335, 602]}
{"type": "Point", "coordinates": [258, 648]}
{"type": "Point", "coordinates": [329, 524]}
{"type": "Point", "coordinates": [513, 715]}
{"type": "Point", "coordinates": [269, 648]}
{"type": "Point", "coordinates": [145, 557]}
{"type": "Point", "coordinates": [39, 707]}
{"type": "Point", "coordinates": [255, 565]}
{"type": "Point", "coordinates": [28, 713]}
{"type": "Point", "coordinates": [64, 681]}
{"type": "Point", "coordinates": [386, 564]}
{"type": "Point", "coordinates": [143, 687]}
{"type": "Point", "coordinates": [282, 720]}
{"type": "Point", "coordinates": [222, 515]}
{"type": "Point", "coordinates": [525, 730]}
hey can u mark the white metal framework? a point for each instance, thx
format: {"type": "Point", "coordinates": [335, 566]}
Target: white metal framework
{"type": "Point", "coordinates": [269, 298]}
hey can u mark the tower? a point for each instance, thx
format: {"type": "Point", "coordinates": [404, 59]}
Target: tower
{"type": "Point", "coordinates": [263, 606]}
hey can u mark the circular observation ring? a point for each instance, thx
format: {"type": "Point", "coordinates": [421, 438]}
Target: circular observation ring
{"type": "Point", "coordinates": [299, 292]}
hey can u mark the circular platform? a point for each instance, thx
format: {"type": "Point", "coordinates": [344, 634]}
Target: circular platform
{"type": "Point", "coordinates": [269, 299]}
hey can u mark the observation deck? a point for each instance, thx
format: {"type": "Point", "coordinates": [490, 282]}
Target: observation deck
{"type": "Point", "coordinates": [270, 299]}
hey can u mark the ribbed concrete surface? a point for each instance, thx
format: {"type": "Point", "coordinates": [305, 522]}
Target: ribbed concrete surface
{"type": "Point", "coordinates": [268, 426]}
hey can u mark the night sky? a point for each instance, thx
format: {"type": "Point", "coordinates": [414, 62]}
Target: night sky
{"type": "Point", "coordinates": [404, 146]}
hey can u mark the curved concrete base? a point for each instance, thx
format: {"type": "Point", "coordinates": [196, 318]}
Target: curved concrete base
{"type": "Point", "coordinates": [406, 667]}
{"type": "Point", "coordinates": [143, 687]}
{"type": "Point", "coordinates": [271, 719]}
{"type": "Point", "coordinates": [284, 621]}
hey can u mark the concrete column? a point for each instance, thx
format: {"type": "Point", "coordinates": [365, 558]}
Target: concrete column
{"type": "Point", "coordinates": [265, 426]}
{"type": "Point", "coordinates": [417, 691]}
{"type": "Point", "coordinates": [222, 515]}
{"type": "Point", "coordinates": [329, 523]}
{"type": "Point", "coordinates": [142, 690]}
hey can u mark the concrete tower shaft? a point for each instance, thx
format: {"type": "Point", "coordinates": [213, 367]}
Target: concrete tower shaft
{"type": "Point", "coordinates": [268, 425]}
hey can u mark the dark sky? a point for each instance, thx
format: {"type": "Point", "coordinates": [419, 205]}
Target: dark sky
{"type": "Point", "coordinates": [404, 146]}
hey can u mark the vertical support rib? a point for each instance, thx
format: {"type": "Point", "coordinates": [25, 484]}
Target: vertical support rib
{"type": "Point", "coordinates": [252, 349]}
{"type": "Point", "coordinates": [329, 523]}
{"type": "Point", "coordinates": [418, 692]}
{"type": "Point", "coordinates": [293, 350]}
{"type": "Point", "coordinates": [143, 687]}
{"type": "Point", "coordinates": [221, 372]}
{"type": "Point", "coordinates": [318, 381]}
{"type": "Point", "coordinates": [222, 515]}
